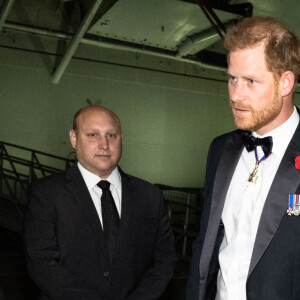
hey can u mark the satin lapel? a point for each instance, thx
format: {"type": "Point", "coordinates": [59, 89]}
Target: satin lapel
{"type": "Point", "coordinates": [228, 161]}
{"type": "Point", "coordinates": [129, 199]}
{"type": "Point", "coordinates": [286, 181]}
{"type": "Point", "coordinates": [81, 195]}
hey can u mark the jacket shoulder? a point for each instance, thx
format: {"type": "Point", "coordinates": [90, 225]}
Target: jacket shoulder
{"type": "Point", "coordinates": [49, 183]}
{"type": "Point", "coordinates": [56, 177]}
{"type": "Point", "coordinates": [221, 139]}
{"type": "Point", "coordinates": [138, 182]}
{"type": "Point", "coordinates": [218, 143]}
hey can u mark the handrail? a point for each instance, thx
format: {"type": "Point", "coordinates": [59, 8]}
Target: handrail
{"type": "Point", "coordinates": [13, 167]}
{"type": "Point", "coordinates": [16, 172]}
{"type": "Point", "coordinates": [184, 205]}
{"type": "Point", "coordinates": [24, 162]}
{"type": "Point", "coordinates": [36, 151]}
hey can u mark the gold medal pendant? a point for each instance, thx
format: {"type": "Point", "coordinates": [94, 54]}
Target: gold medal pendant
{"type": "Point", "coordinates": [253, 176]}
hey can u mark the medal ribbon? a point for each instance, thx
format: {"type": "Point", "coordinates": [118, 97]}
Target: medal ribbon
{"type": "Point", "coordinates": [252, 177]}
{"type": "Point", "coordinates": [258, 161]}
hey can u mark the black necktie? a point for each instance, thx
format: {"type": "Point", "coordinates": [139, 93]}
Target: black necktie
{"type": "Point", "coordinates": [110, 216]}
{"type": "Point", "coordinates": [251, 142]}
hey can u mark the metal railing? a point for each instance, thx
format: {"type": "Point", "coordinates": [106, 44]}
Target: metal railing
{"type": "Point", "coordinates": [20, 165]}
{"type": "Point", "coordinates": [185, 205]}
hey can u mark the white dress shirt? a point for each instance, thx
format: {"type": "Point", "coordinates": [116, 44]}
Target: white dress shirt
{"type": "Point", "coordinates": [115, 187]}
{"type": "Point", "coordinates": [243, 208]}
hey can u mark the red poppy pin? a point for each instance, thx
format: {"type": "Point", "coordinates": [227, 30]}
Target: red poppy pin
{"type": "Point", "coordinates": [297, 162]}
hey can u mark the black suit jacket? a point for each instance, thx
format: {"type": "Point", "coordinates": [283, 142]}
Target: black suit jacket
{"type": "Point", "coordinates": [274, 271]}
{"type": "Point", "coordinates": [65, 248]}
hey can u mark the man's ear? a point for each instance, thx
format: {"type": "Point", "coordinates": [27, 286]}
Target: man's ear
{"type": "Point", "coordinates": [287, 83]}
{"type": "Point", "coordinates": [72, 135]}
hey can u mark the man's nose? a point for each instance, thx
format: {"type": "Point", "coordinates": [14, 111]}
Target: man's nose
{"type": "Point", "coordinates": [103, 142]}
{"type": "Point", "coordinates": [237, 93]}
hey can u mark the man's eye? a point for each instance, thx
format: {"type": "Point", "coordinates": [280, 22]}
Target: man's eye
{"type": "Point", "coordinates": [231, 78]}
{"type": "Point", "coordinates": [91, 134]}
{"type": "Point", "coordinates": [111, 135]}
{"type": "Point", "coordinates": [251, 81]}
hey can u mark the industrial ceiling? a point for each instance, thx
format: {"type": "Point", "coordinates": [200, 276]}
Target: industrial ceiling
{"type": "Point", "coordinates": [176, 36]}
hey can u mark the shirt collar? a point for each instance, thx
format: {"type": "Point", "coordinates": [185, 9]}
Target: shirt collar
{"type": "Point", "coordinates": [283, 134]}
{"type": "Point", "coordinates": [92, 179]}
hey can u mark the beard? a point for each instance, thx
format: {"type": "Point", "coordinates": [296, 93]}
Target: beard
{"type": "Point", "coordinates": [259, 116]}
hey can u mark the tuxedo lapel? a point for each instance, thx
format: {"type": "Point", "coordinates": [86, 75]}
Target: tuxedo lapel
{"type": "Point", "coordinates": [228, 161]}
{"type": "Point", "coordinates": [286, 181]}
{"type": "Point", "coordinates": [82, 197]}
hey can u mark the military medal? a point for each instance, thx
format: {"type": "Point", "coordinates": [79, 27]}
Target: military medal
{"type": "Point", "coordinates": [296, 206]}
{"type": "Point", "coordinates": [253, 175]}
{"type": "Point", "coordinates": [293, 205]}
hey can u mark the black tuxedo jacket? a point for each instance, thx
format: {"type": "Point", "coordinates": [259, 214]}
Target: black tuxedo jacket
{"type": "Point", "coordinates": [65, 248]}
{"type": "Point", "coordinates": [274, 271]}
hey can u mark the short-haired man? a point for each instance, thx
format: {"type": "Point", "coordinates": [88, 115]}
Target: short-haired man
{"type": "Point", "coordinates": [249, 241]}
{"type": "Point", "coordinates": [94, 232]}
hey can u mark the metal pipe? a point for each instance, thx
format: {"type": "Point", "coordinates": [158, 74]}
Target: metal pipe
{"type": "Point", "coordinates": [75, 41]}
{"type": "Point", "coordinates": [66, 36]}
{"type": "Point", "coordinates": [5, 11]}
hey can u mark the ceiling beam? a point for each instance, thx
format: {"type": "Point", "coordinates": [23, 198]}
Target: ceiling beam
{"type": "Point", "coordinates": [108, 45]}
{"type": "Point", "coordinates": [88, 18]}
{"type": "Point", "coordinates": [242, 9]}
{"type": "Point", "coordinates": [88, 41]}
{"type": "Point", "coordinates": [212, 17]}
{"type": "Point", "coordinates": [5, 9]}
{"type": "Point", "coordinates": [106, 5]}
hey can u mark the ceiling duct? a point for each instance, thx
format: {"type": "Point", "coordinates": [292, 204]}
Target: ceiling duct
{"type": "Point", "coordinates": [201, 40]}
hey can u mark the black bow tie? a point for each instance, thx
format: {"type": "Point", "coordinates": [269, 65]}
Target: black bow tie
{"type": "Point", "coordinates": [251, 142]}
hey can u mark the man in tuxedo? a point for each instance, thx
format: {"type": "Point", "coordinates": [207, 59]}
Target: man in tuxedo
{"type": "Point", "coordinates": [94, 232]}
{"type": "Point", "coordinates": [249, 241]}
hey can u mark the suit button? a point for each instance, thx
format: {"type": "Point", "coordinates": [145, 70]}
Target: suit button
{"type": "Point", "coordinates": [106, 274]}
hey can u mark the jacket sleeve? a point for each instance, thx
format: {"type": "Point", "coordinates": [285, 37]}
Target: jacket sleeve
{"type": "Point", "coordinates": [157, 276]}
{"type": "Point", "coordinates": [42, 250]}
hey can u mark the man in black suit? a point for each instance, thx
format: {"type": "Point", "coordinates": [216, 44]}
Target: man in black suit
{"type": "Point", "coordinates": [80, 247]}
{"type": "Point", "coordinates": [249, 241]}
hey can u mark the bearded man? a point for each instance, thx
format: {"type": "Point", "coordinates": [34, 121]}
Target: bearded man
{"type": "Point", "coordinates": [249, 241]}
